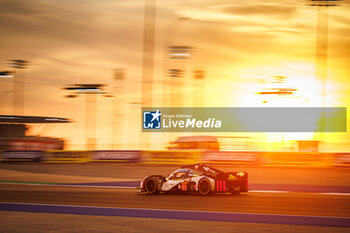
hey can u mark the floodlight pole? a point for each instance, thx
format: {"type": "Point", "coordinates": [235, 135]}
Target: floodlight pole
{"type": "Point", "coordinates": [173, 72]}
{"type": "Point", "coordinates": [148, 53]}
{"type": "Point", "coordinates": [168, 37]}
{"type": "Point", "coordinates": [117, 114]}
{"type": "Point", "coordinates": [18, 86]}
{"type": "Point", "coordinates": [322, 48]}
{"type": "Point", "coordinates": [90, 91]}
{"type": "Point", "coordinates": [322, 41]}
{"type": "Point", "coordinates": [90, 120]}
{"type": "Point", "coordinates": [179, 54]}
{"type": "Point", "coordinates": [3, 95]}
{"type": "Point", "coordinates": [147, 62]}
{"type": "Point", "coordinates": [198, 88]}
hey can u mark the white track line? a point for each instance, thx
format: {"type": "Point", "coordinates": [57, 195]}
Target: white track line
{"type": "Point", "coordinates": [268, 191]}
{"type": "Point", "coordinates": [340, 194]}
{"type": "Point", "coordinates": [131, 187]}
{"type": "Point", "coordinates": [71, 185]}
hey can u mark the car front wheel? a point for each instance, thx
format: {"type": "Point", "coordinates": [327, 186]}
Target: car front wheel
{"type": "Point", "coordinates": [151, 185]}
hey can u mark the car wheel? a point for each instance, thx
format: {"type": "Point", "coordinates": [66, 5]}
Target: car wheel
{"type": "Point", "coordinates": [235, 189]}
{"type": "Point", "coordinates": [151, 185]}
{"type": "Point", "coordinates": [204, 187]}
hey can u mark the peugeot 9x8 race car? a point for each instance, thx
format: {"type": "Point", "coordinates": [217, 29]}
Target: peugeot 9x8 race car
{"type": "Point", "coordinates": [198, 178]}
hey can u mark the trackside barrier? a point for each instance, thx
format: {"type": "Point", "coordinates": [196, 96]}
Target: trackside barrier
{"type": "Point", "coordinates": [268, 159]}
{"type": "Point", "coordinates": [171, 157]}
{"type": "Point", "coordinates": [21, 156]}
{"type": "Point", "coordinates": [60, 156]}
{"type": "Point", "coordinates": [341, 159]}
{"type": "Point", "coordinates": [231, 157]}
{"type": "Point", "coordinates": [297, 159]}
{"type": "Point", "coordinates": [119, 156]}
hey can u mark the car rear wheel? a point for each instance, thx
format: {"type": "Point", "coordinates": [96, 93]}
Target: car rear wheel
{"type": "Point", "coordinates": [151, 185]}
{"type": "Point", "coordinates": [204, 187]}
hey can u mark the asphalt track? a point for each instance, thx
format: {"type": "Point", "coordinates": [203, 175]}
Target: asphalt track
{"type": "Point", "coordinates": [326, 189]}
{"type": "Point", "coordinates": [178, 214]}
{"type": "Point", "coordinates": [281, 208]}
{"type": "Point", "coordinates": [317, 198]}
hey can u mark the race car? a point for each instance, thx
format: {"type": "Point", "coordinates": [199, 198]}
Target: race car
{"type": "Point", "coordinates": [196, 178]}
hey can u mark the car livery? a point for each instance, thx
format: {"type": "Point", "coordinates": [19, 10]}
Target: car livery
{"type": "Point", "coordinates": [196, 178]}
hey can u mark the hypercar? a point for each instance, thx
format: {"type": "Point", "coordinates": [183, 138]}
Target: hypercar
{"type": "Point", "coordinates": [196, 178]}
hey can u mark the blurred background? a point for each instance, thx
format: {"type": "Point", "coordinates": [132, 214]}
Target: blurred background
{"type": "Point", "coordinates": [96, 66]}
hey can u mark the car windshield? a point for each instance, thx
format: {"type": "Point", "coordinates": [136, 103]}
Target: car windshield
{"type": "Point", "coordinates": [193, 173]}
{"type": "Point", "coordinates": [178, 174]}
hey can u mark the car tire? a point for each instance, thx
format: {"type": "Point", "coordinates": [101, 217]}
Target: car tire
{"type": "Point", "coordinates": [151, 185]}
{"type": "Point", "coordinates": [235, 189]}
{"type": "Point", "coordinates": [204, 187]}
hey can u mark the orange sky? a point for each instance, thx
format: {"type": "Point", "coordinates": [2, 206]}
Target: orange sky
{"type": "Point", "coordinates": [237, 43]}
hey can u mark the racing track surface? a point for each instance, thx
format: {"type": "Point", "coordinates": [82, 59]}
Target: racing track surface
{"type": "Point", "coordinates": [288, 198]}
{"type": "Point", "coordinates": [309, 204]}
